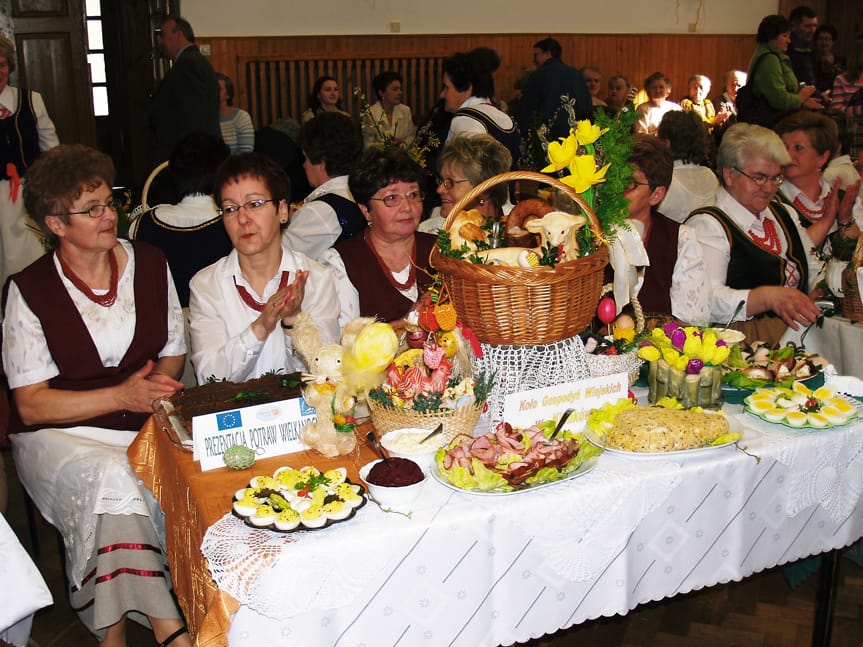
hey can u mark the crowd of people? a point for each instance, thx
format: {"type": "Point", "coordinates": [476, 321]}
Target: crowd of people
{"type": "Point", "coordinates": [729, 206]}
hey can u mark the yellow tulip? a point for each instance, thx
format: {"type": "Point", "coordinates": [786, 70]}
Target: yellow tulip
{"type": "Point", "coordinates": [682, 362]}
{"type": "Point", "coordinates": [560, 154]}
{"type": "Point", "coordinates": [584, 174]}
{"type": "Point", "coordinates": [721, 354]}
{"type": "Point", "coordinates": [692, 346]}
{"type": "Point", "coordinates": [587, 133]}
{"type": "Point", "coordinates": [649, 353]}
{"type": "Point", "coordinates": [670, 355]}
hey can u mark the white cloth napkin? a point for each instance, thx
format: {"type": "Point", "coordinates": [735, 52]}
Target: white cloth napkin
{"type": "Point", "coordinates": [628, 259]}
{"type": "Point", "coordinates": [847, 384]}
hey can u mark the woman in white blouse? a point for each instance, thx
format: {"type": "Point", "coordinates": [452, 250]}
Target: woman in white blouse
{"type": "Point", "coordinates": [92, 336]}
{"type": "Point", "coordinates": [388, 119]}
{"type": "Point", "coordinates": [242, 307]}
{"type": "Point", "coordinates": [752, 245]}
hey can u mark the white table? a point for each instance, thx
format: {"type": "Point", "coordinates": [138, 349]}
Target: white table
{"type": "Point", "coordinates": [490, 570]}
{"type": "Point", "coordinates": [838, 339]}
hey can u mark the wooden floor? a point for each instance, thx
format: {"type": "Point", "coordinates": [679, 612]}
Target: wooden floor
{"type": "Point", "coordinates": [762, 611]}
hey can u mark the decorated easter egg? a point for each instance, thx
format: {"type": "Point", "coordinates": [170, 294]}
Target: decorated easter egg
{"type": "Point", "coordinates": [607, 310]}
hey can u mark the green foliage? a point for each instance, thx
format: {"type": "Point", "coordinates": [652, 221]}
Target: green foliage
{"type": "Point", "coordinates": [615, 146]}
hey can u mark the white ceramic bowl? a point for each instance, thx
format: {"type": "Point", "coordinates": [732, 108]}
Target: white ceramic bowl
{"type": "Point", "coordinates": [730, 336]}
{"type": "Point", "coordinates": [405, 444]}
{"type": "Point", "coordinates": [392, 497]}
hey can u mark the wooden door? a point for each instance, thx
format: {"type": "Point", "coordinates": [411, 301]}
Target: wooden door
{"type": "Point", "coordinates": [49, 40]}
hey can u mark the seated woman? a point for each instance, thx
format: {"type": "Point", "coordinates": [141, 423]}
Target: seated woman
{"type": "Point", "coordinates": [325, 97]}
{"type": "Point", "coordinates": [190, 233]}
{"type": "Point", "coordinates": [383, 272]}
{"type": "Point", "coordinates": [697, 101]}
{"type": "Point", "coordinates": [692, 185]}
{"type": "Point", "coordinates": [812, 138]}
{"type": "Point", "coordinates": [242, 307]}
{"type": "Point", "coordinates": [676, 280]}
{"type": "Point", "coordinates": [620, 95]}
{"type": "Point", "coordinates": [465, 162]}
{"type": "Point", "coordinates": [651, 112]}
{"type": "Point", "coordinates": [388, 117]}
{"type": "Point", "coordinates": [236, 124]}
{"type": "Point", "coordinates": [726, 103]}
{"type": "Point", "coordinates": [92, 335]}
{"type": "Point", "coordinates": [752, 247]}
{"type": "Point", "coordinates": [468, 89]}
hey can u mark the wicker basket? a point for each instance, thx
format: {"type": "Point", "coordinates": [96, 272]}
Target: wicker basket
{"type": "Point", "coordinates": [524, 306]}
{"type": "Point", "coordinates": [852, 307]}
{"type": "Point", "coordinates": [455, 421]}
{"type": "Point", "coordinates": [629, 363]}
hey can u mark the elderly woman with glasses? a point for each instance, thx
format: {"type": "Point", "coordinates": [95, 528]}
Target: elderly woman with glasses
{"type": "Point", "coordinates": [464, 162]}
{"type": "Point", "coordinates": [92, 335]}
{"type": "Point", "coordinates": [383, 271]}
{"type": "Point", "coordinates": [242, 307]}
{"type": "Point", "coordinates": [753, 248]}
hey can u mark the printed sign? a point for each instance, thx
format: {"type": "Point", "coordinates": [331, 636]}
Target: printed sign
{"type": "Point", "coordinates": [529, 407]}
{"type": "Point", "coordinates": [270, 429]}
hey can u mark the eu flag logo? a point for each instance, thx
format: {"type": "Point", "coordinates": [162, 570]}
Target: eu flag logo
{"type": "Point", "coordinates": [229, 420]}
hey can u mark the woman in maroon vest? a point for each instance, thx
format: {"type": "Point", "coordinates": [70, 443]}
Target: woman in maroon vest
{"type": "Point", "coordinates": [676, 280]}
{"type": "Point", "coordinates": [93, 334]}
{"type": "Point", "coordinates": [383, 271]}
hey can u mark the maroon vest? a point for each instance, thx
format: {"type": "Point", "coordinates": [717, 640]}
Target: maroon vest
{"type": "Point", "coordinates": [71, 345]}
{"type": "Point", "coordinates": [378, 297]}
{"type": "Point", "coordinates": [655, 294]}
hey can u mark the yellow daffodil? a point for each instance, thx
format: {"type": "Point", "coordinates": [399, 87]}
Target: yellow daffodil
{"type": "Point", "coordinates": [583, 173]}
{"type": "Point", "coordinates": [560, 154]}
{"type": "Point", "coordinates": [587, 133]}
{"type": "Point", "coordinates": [649, 353]}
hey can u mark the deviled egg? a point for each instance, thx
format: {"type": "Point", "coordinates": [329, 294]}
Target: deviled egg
{"type": "Point", "coordinates": [287, 520]}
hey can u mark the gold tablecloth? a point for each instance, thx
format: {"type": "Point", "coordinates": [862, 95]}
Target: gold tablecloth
{"type": "Point", "coordinates": [192, 501]}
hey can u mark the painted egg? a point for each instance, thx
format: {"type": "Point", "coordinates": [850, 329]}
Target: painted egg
{"type": "Point", "coordinates": [607, 310]}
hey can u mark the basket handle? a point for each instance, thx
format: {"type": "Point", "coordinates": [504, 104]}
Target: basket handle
{"type": "Point", "coordinates": [636, 306]}
{"type": "Point", "coordinates": [510, 176]}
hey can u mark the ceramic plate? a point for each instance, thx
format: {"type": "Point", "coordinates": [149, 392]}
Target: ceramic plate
{"type": "Point", "coordinates": [582, 469]}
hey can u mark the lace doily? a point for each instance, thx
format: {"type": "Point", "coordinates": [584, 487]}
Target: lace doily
{"type": "Point", "coordinates": [520, 368]}
{"type": "Point", "coordinates": [828, 472]}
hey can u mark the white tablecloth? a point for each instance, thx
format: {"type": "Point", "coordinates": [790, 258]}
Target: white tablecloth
{"type": "Point", "coordinates": [489, 570]}
{"type": "Point", "coordinates": [838, 340]}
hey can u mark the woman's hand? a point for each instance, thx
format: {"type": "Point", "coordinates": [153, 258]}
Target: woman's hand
{"type": "Point", "coordinates": [845, 210]}
{"type": "Point", "coordinates": [790, 304]}
{"type": "Point", "coordinates": [283, 306]}
{"type": "Point", "coordinates": [138, 391]}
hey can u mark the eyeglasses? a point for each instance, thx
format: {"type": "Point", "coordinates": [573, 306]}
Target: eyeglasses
{"type": "Point", "coordinates": [761, 179]}
{"type": "Point", "coordinates": [396, 199]}
{"type": "Point", "coordinates": [96, 211]}
{"type": "Point", "coordinates": [635, 184]}
{"type": "Point", "coordinates": [250, 206]}
{"type": "Point", "coordinates": [448, 182]}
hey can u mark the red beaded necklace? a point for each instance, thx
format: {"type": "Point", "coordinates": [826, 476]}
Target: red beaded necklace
{"type": "Point", "coordinates": [770, 240]}
{"type": "Point", "coordinates": [105, 300]}
{"type": "Point", "coordinates": [812, 215]}
{"type": "Point", "coordinates": [253, 303]}
{"type": "Point", "coordinates": [412, 275]}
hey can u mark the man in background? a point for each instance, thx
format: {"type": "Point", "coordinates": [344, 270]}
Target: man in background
{"type": "Point", "coordinates": [593, 80]}
{"type": "Point", "coordinates": [541, 100]}
{"type": "Point", "coordinates": [804, 22]}
{"type": "Point", "coordinates": [187, 100]}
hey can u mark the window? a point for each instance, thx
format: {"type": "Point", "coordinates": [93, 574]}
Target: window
{"type": "Point", "coordinates": [96, 57]}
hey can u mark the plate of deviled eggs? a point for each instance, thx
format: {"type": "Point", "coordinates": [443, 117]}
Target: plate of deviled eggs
{"type": "Point", "coordinates": [298, 499]}
{"type": "Point", "coordinates": [801, 407]}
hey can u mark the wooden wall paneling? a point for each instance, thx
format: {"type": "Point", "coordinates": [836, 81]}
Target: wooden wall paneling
{"type": "Point", "coordinates": [418, 58]}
